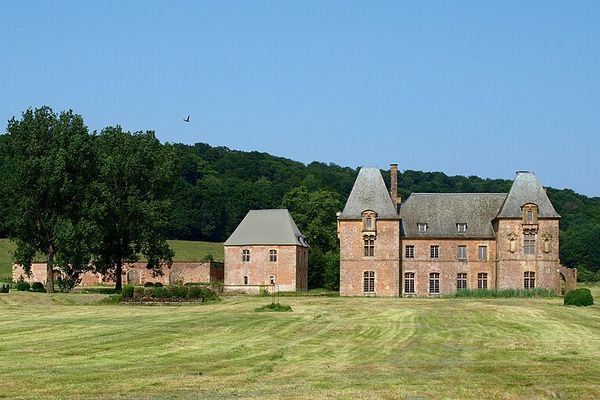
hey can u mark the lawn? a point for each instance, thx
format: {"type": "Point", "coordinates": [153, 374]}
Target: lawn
{"type": "Point", "coordinates": [69, 346]}
{"type": "Point", "coordinates": [185, 250]}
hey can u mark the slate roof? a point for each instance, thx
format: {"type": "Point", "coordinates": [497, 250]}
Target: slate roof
{"type": "Point", "coordinates": [267, 227]}
{"type": "Point", "coordinates": [527, 189]}
{"type": "Point", "coordinates": [369, 193]}
{"type": "Point", "coordinates": [442, 211]}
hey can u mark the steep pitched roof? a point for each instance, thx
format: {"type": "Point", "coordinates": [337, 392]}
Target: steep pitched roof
{"type": "Point", "coordinates": [442, 211]}
{"type": "Point", "coordinates": [267, 227]}
{"type": "Point", "coordinates": [369, 193]}
{"type": "Point", "coordinates": [527, 189]}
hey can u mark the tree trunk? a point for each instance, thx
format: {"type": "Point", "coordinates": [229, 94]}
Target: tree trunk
{"type": "Point", "coordinates": [50, 272]}
{"type": "Point", "coordinates": [119, 276]}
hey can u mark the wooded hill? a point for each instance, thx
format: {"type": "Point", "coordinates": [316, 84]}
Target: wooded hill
{"type": "Point", "coordinates": [217, 186]}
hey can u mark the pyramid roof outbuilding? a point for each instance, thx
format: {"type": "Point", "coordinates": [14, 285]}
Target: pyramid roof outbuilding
{"type": "Point", "coordinates": [267, 227]}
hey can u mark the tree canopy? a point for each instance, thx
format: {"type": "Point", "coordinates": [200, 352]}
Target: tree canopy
{"type": "Point", "coordinates": [61, 180]}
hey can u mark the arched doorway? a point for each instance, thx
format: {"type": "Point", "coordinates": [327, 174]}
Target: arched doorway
{"type": "Point", "coordinates": [133, 277]}
{"type": "Point", "coordinates": [175, 277]}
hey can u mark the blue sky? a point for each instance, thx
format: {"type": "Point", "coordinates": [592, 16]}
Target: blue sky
{"type": "Point", "coordinates": [464, 87]}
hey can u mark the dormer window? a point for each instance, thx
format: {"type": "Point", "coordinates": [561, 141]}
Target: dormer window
{"type": "Point", "coordinates": [530, 214]}
{"type": "Point", "coordinates": [422, 227]}
{"type": "Point", "coordinates": [369, 219]}
{"type": "Point", "coordinates": [461, 227]}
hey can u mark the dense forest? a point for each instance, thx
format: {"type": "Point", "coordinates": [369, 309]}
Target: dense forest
{"type": "Point", "coordinates": [217, 186]}
{"type": "Point", "coordinates": [206, 191]}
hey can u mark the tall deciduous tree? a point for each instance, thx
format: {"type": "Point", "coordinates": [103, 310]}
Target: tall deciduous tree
{"type": "Point", "coordinates": [133, 188]}
{"type": "Point", "coordinates": [49, 163]}
{"type": "Point", "coordinates": [315, 215]}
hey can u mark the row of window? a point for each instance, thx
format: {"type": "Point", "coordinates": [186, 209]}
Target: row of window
{"type": "Point", "coordinates": [434, 252]}
{"type": "Point", "coordinates": [434, 281]}
{"type": "Point", "coordinates": [272, 255]}
{"type": "Point", "coordinates": [460, 227]}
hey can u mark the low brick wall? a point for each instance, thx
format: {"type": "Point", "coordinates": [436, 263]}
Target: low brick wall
{"type": "Point", "coordinates": [138, 274]}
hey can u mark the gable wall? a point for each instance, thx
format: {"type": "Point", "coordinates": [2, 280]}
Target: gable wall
{"type": "Point", "coordinates": [259, 268]}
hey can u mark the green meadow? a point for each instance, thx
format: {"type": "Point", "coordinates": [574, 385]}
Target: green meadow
{"type": "Point", "coordinates": [185, 250]}
{"type": "Point", "coordinates": [75, 346]}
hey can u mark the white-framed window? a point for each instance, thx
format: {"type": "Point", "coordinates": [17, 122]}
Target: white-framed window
{"type": "Point", "coordinates": [409, 251]}
{"type": "Point", "coordinates": [369, 246]}
{"type": "Point", "coordinates": [272, 279]}
{"type": "Point", "coordinates": [245, 255]}
{"type": "Point", "coordinates": [422, 227]}
{"type": "Point", "coordinates": [461, 281]}
{"type": "Point", "coordinates": [273, 255]}
{"type": "Point", "coordinates": [462, 252]}
{"type": "Point", "coordinates": [434, 283]}
{"type": "Point", "coordinates": [482, 253]}
{"type": "Point", "coordinates": [434, 251]}
{"type": "Point", "coordinates": [245, 280]}
{"type": "Point", "coordinates": [529, 244]}
{"type": "Point", "coordinates": [369, 281]}
{"type": "Point", "coordinates": [482, 280]}
{"type": "Point", "coordinates": [529, 277]}
{"type": "Point", "coordinates": [369, 223]}
{"type": "Point", "coordinates": [409, 282]}
{"type": "Point", "coordinates": [461, 227]}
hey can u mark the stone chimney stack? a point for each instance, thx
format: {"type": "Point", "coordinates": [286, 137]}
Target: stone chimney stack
{"type": "Point", "coordinates": [394, 184]}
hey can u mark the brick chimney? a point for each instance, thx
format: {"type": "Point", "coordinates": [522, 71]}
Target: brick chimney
{"type": "Point", "coordinates": [394, 184]}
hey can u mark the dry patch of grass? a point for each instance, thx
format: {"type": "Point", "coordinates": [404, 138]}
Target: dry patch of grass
{"type": "Point", "coordinates": [54, 347]}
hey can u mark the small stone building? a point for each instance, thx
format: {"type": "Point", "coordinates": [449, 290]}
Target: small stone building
{"type": "Point", "coordinates": [266, 250]}
{"type": "Point", "coordinates": [437, 243]}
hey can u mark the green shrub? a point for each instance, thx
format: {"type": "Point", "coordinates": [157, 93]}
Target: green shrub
{"type": "Point", "coordinates": [195, 292]}
{"type": "Point", "coordinates": [579, 297]}
{"type": "Point", "coordinates": [149, 284]}
{"type": "Point", "coordinates": [4, 288]}
{"type": "Point", "coordinates": [178, 291]}
{"type": "Point", "coordinates": [138, 293]}
{"type": "Point", "coordinates": [127, 291]}
{"type": "Point", "coordinates": [38, 287]}
{"type": "Point", "coordinates": [158, 292]}
{"type": "Point", "coordinates": [158, 284]}
{"type": "Point", "coordinates": [274, 307]}
{"type": "Point", "coordinates": [22, 286]}
{"type": "Point", "coordinates": [210, 295]}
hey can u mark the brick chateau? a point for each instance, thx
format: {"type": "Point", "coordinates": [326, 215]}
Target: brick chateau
{"type": "Point", "coordinates": [437, 243]}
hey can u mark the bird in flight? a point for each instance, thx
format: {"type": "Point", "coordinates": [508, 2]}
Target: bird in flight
{"type": "Point", "coordinates": [187, 119]}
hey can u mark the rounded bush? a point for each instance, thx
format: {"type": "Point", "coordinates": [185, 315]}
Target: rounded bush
{"type": "Point", "coordinates": [22, 286]}
{"type": "Point", "coordinates": [38, 287]}
{"type": "Point", "coordinates": [149, 284]}
{"type": "Point", "coordinates": [158, 284]}
{"type": "Point", "coordinates": [579, 297]}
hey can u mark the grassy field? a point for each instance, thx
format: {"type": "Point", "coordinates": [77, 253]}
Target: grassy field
{"type": "Point", "coordinates": [185, 250]}
{"type": "Point", "coordinates": [70, 346]}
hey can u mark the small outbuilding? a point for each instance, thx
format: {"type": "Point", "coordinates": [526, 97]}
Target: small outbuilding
{"type": "Point", "coordinates": [266, 250]}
